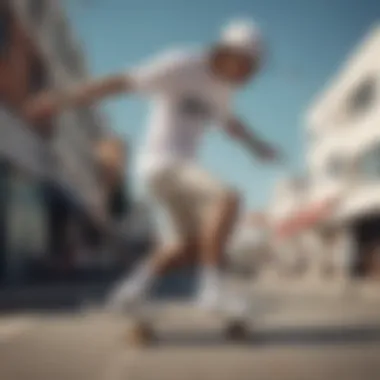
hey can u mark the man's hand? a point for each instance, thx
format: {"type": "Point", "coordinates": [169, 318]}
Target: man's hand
{"type": "Point", "coordinates": [237, 130]}
{"type": "Point", "coordinates": [268, 153]}
{"type": "Point", "coordinates": [42, 107]}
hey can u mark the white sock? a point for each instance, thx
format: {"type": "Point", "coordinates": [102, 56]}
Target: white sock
{"type": "Point", "coordinates": [136, 284]}
{"type": "Point", "coordinates": [210, 283]}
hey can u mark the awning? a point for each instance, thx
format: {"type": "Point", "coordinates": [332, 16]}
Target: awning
{"type": "Point", "coordinates": [305, 218]}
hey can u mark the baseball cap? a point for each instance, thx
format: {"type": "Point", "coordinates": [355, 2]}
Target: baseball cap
{"type": "Point", "coordinates": [244, 35]}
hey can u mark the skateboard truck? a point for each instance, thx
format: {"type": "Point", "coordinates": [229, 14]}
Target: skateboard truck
{"type": "Point", "coordinates": [237, 331]}
{"type": "Point", "coordinates": [141, 333]}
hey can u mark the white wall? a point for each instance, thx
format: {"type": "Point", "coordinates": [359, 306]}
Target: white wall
{"type": "Point", "coordinates": [337, 129]}
{"type": "Point", "coordinates": [289, 196]}
{"type": "Point", "coordinates": [328, 110]}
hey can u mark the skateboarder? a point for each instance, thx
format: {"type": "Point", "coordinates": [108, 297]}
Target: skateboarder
{"type": "Point", "coordinates": [188, 90]}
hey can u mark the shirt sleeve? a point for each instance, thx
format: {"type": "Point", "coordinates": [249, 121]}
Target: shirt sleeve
{"type": "Point", "coordinates": [159, 74]}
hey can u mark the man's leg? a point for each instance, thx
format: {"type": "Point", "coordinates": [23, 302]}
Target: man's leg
{"type": "Point", "coordinates": [178, 251]}
{"type": "Point", "coordinates": [219, 222]}
{"type": "Point", "coordinates": [218, 209]}
{"type": "Point", "coordinates": [159, 262]}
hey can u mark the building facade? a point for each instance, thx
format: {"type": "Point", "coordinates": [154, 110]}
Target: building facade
{"type": "Point", "coordinates": [290, 244]}
{"type": "Point", "coordinates": [344, 154]}
{"type": "Point", "coordinates": [52, 177]}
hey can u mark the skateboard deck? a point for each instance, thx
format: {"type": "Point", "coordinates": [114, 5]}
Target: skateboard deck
{"type": "Point", "coordinates": [141, 333]}
{"type": "Point", "coordinates": [143, 329]}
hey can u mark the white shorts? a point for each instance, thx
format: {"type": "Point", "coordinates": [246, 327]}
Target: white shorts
{"type": "Point", "coordinates": [186, 194]}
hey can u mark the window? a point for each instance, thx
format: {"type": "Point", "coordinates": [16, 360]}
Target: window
{"type": "Point", "coordinates": [66, 53]}
{"type": "Point", "coordinates": [38, 77]}
{"type": "Point", "coordinates": [336, 166]}
{"type": "Point", "coordinates": [87, 122]}
{"type": "Point", "coordinates": [369, 163]}
{"type": "Point", "coordinates": [37, 9]}
{"type": "Point", "coordinates": [84, 115]}
{"type": "Point", "coordinates": [118, 202]}
{"type": "Point", "coordinates": [363, 96]}
{"type": "Point", "coordinates": [66, 48]}
{"type": "Point", "coordinates": [27, 224]}
{"type": "Point", "coordinates": [38, 81]}
{"type": "Point", "coordinates": [5, 29]}
{"type": "Point", "coordinates": [299, 184]}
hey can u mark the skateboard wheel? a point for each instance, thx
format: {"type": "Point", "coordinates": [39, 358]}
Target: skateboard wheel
{"type": "Point", "coordinates": [141, 334]}
{"type": "Point", "coordinates": [237, 331]}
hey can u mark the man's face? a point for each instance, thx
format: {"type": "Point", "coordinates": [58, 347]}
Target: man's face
{"type": "Point", "coordinates": [234, 66]}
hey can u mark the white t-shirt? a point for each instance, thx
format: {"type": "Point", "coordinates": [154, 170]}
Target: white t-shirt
{"type": "Point", "coordinates": [186, 97]}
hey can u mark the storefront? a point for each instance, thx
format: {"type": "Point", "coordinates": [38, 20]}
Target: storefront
{"type": "Point", "coordinates": [367, 237]}
{"type": "Point", "coordinates": [365, 221]}
{"type": "Point", "coordinates": [360, 215]}
{"type": "Point", "coordinates": [26, 222]}
{"type": "Point", "coordinates": [23, 232]}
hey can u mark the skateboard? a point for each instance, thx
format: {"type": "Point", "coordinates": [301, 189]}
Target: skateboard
{"type": "Point", "coordinates": [141, 332]}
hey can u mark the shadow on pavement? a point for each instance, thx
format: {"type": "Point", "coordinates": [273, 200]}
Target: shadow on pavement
{"type": "Point", "coordinates": [305, 336]}
{"type": "Point", "coordinates": [70, 297]}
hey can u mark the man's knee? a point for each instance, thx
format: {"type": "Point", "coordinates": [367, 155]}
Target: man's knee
{"type": "Point", "coordinates": [181, 250]}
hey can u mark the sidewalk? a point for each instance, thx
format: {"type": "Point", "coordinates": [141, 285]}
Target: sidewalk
{"type": "Point", "coordinates": [49, 296]}
{"type": "Point", "coordinates": [312, 286]}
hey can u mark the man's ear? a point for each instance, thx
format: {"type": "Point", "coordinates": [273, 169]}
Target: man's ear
{"type": "Point", "coordinates": [216, 56]}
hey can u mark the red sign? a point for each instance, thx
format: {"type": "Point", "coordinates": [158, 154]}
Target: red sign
{"type": "Point", "coordinates": [305, 218]}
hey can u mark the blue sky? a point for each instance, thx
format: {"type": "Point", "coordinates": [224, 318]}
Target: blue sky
{"type": "Point", "coordinates": [308, 39]}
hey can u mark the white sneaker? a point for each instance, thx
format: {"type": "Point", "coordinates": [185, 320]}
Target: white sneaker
{"type": "Point", "coordinates": [210, 294]}
{"type": "Point", "coordinates": [124, 300]}
{"type": "Point", "coordinates": [230, 306]}
{"type": "Point", "coordinates": [209, 301]}
{"type": "Point", "coordinates": [234, 307]}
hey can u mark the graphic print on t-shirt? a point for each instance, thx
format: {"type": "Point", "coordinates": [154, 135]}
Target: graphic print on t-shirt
{"type": "Point", "coordinates": [194, 107]}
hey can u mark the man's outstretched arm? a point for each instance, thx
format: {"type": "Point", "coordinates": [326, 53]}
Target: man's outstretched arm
{"type": "Point", "coordinates": [256, 146]}
{"type": "Point", "coordinates": [148, 78]}
{"type": "Point", "coordinates": [49, 103]}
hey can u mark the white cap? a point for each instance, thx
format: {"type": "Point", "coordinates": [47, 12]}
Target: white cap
{"type": "Point", "coordinates": [244, 35]}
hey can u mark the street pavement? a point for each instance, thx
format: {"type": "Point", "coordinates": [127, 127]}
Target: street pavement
{"type": "Point", "coordinates": [324, 338]}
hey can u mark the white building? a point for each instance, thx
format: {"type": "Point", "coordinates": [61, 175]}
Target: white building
{"type": "Point", "coordinates": [288, 197]}
{"type": "Point", "coordinates": [343, 157]}
{"type": "Point", "coordinates": [289, 243]}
